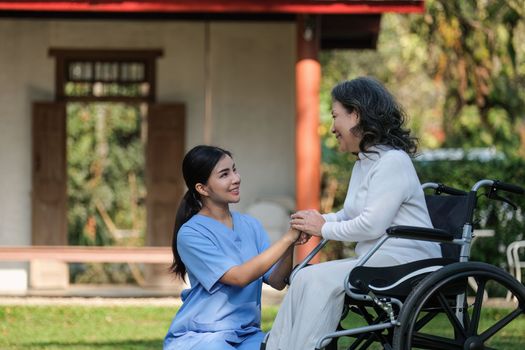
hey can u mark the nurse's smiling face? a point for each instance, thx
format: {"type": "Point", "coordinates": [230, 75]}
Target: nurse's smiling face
{"type": "Point", "coordinates": [224, 183]}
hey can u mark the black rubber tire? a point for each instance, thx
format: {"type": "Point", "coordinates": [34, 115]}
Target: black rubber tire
{"type": "Point", "coordinates": [433, 293]}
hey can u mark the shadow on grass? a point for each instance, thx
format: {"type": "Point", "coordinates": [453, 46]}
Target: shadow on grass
{"type": "Point", "coordinates": [78, 345]}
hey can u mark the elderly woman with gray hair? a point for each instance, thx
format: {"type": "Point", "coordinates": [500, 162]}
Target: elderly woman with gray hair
{"type": "Point", "coordinates": [384, 190]}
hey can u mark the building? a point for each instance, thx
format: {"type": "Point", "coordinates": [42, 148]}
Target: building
{"type": "Point", "coordinates": [242, 74]}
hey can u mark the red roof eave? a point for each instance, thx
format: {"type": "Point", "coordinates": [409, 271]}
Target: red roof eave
{"type": "Point", "coordinates": [218, 6]}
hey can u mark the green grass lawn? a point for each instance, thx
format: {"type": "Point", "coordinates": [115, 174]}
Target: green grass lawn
{"type": "Point", "coordinates": [121, 327]}
{"type": "Point", "coordinates": [80, 328]}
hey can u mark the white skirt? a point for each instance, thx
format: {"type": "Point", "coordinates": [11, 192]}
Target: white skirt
{"type": "Point", "coordinates": [313, 305]}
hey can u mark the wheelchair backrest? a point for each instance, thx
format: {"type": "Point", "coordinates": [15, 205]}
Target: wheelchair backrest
{"type": "Point", "coordinates": [448, 212]}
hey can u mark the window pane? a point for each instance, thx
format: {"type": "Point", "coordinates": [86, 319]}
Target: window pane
{"type": "Point", "coordinates": [103, 78]}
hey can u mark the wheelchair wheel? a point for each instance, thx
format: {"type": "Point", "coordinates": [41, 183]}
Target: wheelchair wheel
{"type": "Point", "coordinates": [444, 312]}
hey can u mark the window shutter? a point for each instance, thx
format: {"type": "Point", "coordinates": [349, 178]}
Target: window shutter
{"type": "Point", "coordinates": [164, 182]}
{"type": "Point", "coordinates": [49, 180]}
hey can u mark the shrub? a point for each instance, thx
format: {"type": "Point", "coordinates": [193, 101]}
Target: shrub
{"type": "Point", "coordinates": [509, 224]}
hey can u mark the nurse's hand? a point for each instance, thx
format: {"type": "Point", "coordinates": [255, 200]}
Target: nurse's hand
{"type": "Point", "coordinates": [292, 235]}
{"type": "Point", "coordinates": [303, 238]}
{"type": "Point", "coordinates": [296, 237]}
{"type": "Point", "coordinates": [308, 221]}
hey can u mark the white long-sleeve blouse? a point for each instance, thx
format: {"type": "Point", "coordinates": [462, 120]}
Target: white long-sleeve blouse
{"type": "Point", "coordinates": [384, 191]}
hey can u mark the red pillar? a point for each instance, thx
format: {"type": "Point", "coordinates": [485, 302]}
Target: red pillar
{"type": "Point", "coordinates": [307, 141]}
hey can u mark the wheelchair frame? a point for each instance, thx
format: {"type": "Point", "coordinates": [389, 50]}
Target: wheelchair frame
{"type": "Point", "coordinates": [404, 322]}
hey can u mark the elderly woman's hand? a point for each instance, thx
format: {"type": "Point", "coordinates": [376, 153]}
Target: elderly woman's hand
{"type": "Point", "coordinates": [308, 221]}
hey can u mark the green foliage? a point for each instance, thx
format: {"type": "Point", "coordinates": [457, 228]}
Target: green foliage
{"type": "Point", "coordinates": [476, 54]}
{"type": "Point", "coordinates": [105, 153]}
{"type": "Point", "coordinates": [459, 71]}
{"type": "Point", "coordinates": [399, 63]}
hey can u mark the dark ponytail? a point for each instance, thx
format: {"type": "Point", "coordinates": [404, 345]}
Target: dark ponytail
{"type": "Point", "coordinates": [188, 207]}
{"type": "Point", "coordinates": [197, 166]}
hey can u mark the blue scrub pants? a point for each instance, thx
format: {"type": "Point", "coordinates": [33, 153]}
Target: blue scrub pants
{"type": "Point", "coordinates": [210, 342]}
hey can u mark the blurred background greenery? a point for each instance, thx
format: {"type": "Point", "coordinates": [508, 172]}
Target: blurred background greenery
{"type": "Point", "coordinates": [106, 189]}
{"type": "Point", "coordinates": [459, 72]}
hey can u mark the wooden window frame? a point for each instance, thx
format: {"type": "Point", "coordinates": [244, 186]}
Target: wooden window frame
{"type": "Point", "coordinates": [64, 56]}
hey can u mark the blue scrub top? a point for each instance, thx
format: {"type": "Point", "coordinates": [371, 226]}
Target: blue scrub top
{"type": "Point", "coordinates": [213, 312]}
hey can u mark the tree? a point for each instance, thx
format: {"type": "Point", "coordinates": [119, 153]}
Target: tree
{"type": "Point", "coordinates": [476, 53]}
{"type": "Point", "coordinates": [459, 71]}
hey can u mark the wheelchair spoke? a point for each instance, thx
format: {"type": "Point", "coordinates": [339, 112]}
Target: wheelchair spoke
{"type": "Point", "coordinates": [368, 342]}
{"type": "Point", "coordinates": [466, 317]}
{"type": "Point", "coordinates": [423, 321]}
{"type": "Point", "coordinates": [360, 338]}
{"type": "Point", "coordinates": [474, 323]}
{"type": "Point", "coordinates": [364, 340]}
{"type": "Point", "coordinates": [427, 341]}
{"type": "Point", "coordinates": [368, 338]}
{"type": "Point", "coordinates": [500, 324]}
{"type": "Point", "coordinates": [458, 328]}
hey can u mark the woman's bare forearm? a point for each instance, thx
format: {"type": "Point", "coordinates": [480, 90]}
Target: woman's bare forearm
{"type": "Point", "coordinates": [282, 271]}
{"type": "Point", "coordinates": [244, 274]}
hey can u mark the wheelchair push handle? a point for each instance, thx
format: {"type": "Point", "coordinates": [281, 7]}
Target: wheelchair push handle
{"type": "Point", "coordinates": [494, 186]}
{"type": "Point", "coordinates": [440, 188]}
{"type": "Point", "coordinates": [498, 185]}
{"type": "Point", "coordinates": [450, 190]}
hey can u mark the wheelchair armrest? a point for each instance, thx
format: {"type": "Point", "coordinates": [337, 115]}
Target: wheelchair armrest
{"type": "Point", "coordinates": [420, 233]}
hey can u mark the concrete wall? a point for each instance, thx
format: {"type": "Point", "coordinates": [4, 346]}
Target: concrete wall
{"type": "Point", "coordinates": [253, 110]}
{"type": "Point", "coordinates": [252, 100]}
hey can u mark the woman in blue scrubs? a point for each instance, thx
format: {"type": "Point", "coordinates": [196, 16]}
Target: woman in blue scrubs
{"type": "Point", "coordinates": [227, 256]}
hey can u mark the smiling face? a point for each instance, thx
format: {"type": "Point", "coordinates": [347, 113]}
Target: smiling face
{"type": "Point", "coordinates": [342, 125]}
{"type": "Point", "coordinates": [224, 183]}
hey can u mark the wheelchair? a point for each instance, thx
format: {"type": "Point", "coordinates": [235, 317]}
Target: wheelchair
{"type": "Point", "coordinates": [434, 303]}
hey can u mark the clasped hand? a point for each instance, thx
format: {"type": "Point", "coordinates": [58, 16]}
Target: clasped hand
{"type": "Point", "coordinates": [308, 221]}
{"type": "Point", "coordinates": [302, 238]}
